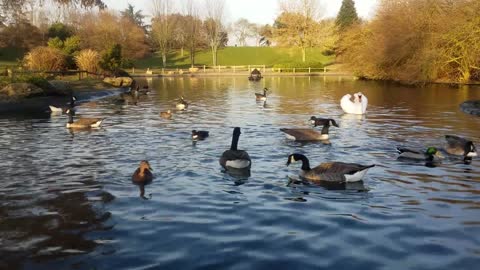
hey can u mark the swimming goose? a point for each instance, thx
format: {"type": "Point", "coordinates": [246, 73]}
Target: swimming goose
{"type": "Point", "coordinates": [182, 104]}
{"type": "Point", "coordinates": [234, 158]}
{"type": "Point", "coordinates": [305, 134]}
{"type": "Point", "coordinates": [82, 122]}
{"type": "Point", "coordinates": [260, 96]}
{"type": "Point", "coordinates": [460, 147]}
{"type": "Point", "coordinates": [199, 135]}
{"type": "Point", "coordinates": [130, 96]}
{"type": "Point", "coordinates": [143, 173]}
{"type": "Point", "coordinates": [330, 172]}
{"type": "Point", "coordinates": [322, 121]}
{"type": "Point", "coordinates": [430, 154]}
{"type": "Point", "coordinates": [358, 106]}
{"type": "Point", "coordinates": [54, 109]}
{"type": "Point", "coordinates": [145, 90]}
{"type": "Point", "coordinates": [167, 115]}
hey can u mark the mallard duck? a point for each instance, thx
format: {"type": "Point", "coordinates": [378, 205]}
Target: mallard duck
{"type": "Point", "coordinates": [260, 96]}
{"type": "Point", "coordinates": [182, 104]}
{"type": "Point", "coordinates": [167, 115]}
{"type": "Point", "coordinates": [234, 158]}
{"type": "Point", "coordinates": [82, 122]}
{"type": "Point", "coordinates": [358, 106]}
{"type": "Point", "coordinates": [430, 154]}
{"type": "Point", "coordinates": [460, 147]}
{"type": "Point", "coordinates": [70, 106]}
{"type": "Point", "coordinates": [143, 173]}
{"type": "Point", "coordinates": [330, 172]}
{"type": "Point", "coordinates": [199, 135]}
{"type": "Point", "coordinates": [305, 134]}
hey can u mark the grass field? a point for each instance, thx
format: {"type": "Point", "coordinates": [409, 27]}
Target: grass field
{"type": "Point", "coordinates": [9, 56]}
{"type": "Point", "coordinates": [234, 56]}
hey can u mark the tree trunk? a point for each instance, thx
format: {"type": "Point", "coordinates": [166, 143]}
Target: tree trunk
{"type": "Point", "coordinates": [192, 57]}
{"type": "Point", "coordinates": [181, 51]}
{"type": "Point", "coordinates": [164, 59]}
{"type": "Point", "coordinates": [214, 56]}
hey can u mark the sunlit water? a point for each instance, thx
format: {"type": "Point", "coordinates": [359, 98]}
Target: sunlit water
{"type": "Point", "coordinates": [67, 200]}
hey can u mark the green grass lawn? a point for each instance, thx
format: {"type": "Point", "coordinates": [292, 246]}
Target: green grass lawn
{"type": "Point", "coordinates": [235, 56]}
{"type": "Point", "coordinates": [9, 56]}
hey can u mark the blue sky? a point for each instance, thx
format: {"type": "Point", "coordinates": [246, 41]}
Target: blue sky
{"type": "Point", "coordinates": [265, 11]}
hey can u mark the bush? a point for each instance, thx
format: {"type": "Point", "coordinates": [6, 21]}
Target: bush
{"type": "Point", "coordinates": [45, 59]}
{"type": "Point", "coordinates": [112, 59]}
{"type": "Point", "coordinates": [88, 60]}
{"type": "Point", "coordinates": [37, 80]}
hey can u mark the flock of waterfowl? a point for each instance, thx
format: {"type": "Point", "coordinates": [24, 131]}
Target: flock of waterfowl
{"type": "Point", "coordinates": [237, 161]}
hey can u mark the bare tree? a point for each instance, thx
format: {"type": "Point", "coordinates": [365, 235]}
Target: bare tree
{"type": "Point", "coordinates": [192, 29]}
{"type": "Point", "coordinates": [243, 29]}
{"type": "Point", "coordinates": [297, 24]}
{"type": "Point", "coordinates": [163, 26]}
{"type": "Point", "coordinates": [214, 27]}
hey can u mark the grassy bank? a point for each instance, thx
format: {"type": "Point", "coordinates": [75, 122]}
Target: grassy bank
{"type": "Point", "coordinates": [234, 56]}
{"type": "Point", "coordinates": [10, 56]}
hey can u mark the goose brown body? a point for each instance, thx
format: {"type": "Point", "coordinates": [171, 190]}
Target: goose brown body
{"type": "Point", "coordinates": [460, 147]}
{"type": "Point", "coordinates": [331, 171]}
{"type": "Point", "coordinates": [82, 123]}
{"type": "Point", "coordinates": [143, 173]}
{"type": "Point", "coordinates": [304, 134]}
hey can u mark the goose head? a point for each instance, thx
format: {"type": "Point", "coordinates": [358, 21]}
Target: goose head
{"type": "Point", "coordinates": [470, 150]}
{"type": "Point", "coordinates": [144, 165]}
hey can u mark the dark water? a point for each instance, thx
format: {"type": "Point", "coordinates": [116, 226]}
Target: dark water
{"type": "Point", "coordinates": [67, 201]}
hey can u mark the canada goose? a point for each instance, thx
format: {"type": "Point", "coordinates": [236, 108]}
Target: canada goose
{"type": "Point", "coordinates": [305, 134]}
{"type": "Point", "coordinates": [358, 106]}
{"type": "Point", "coordinates": [143, 173]}
{"type": "Point", "coordinates": [182, 104]}
{"type": "Point", "coordinates": [199, 134]}
{"type": "Point", "coordinates": [234, 158]}
{"type": "Point", "coordinates": [430, 154]}
{"type": "Point", "coordinates": [82, 122]}
{"type": "Point", "coordinates": [167, 115]}
{"type": "Point", "coordinates": [260, 96]}
{"type": "Point", "coordinates": [460, 147]}
{"type": "Point", "coordinates": [130, 96]}
{"type": "Point", "coordinates": [54, 109]}
{"type": "Point", "coordinates": [332, 171]}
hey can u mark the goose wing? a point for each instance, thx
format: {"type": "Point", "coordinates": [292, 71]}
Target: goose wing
{"type": "Point", "coordinates": [88, 121]}
{"type": "Point", "coordinates": [335, 171]}
{"type": "Point", "coordinates": [302, 134]}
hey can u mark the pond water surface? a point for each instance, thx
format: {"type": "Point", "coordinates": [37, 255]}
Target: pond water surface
{"type": "Point", "coordinates": [67, 200]}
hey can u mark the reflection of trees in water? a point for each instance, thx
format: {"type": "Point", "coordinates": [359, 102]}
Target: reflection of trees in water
{"type": "Point", "coordinates": [51, 223]}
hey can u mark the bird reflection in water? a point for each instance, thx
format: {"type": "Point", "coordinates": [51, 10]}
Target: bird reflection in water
{"type": "Point", "coordinates": [141, 187]}
{"type": "Point", "coordinates": [238, 176]}
{"type": "Point", "coordinates": [358, 185]}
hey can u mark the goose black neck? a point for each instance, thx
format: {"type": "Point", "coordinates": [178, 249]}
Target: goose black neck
{"type": "Point", "coordinates": [305, 163]}
{"type": "Point", "coordinates": [235, 139]}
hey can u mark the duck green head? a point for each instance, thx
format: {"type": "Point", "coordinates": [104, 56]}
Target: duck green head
{"type": "Point", "coordinates": [431, 151]}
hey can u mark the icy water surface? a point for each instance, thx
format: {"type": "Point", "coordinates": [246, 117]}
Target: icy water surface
{"type": "Point", "coordinates": [67, 201]}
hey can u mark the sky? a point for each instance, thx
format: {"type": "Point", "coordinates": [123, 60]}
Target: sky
{"type": "Point", "coordinates": [256, 11]}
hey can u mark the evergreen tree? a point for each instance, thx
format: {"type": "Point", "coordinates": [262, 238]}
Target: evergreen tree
{"type": "Point", "coordinates": [347, 14]}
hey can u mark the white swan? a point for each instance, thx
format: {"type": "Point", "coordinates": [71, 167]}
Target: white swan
{"type": "Point", "coordinates": [358, 106]}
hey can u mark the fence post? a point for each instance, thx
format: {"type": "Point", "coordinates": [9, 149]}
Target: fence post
{"type": "Point", "coordinates": [249, 68]}
{"type": "Point", "coordinates": [293, 70]}
{"type": "Point", "coordinates": [263, 68]}
{"type": "Point", "coordinates": [163, 71]}
{"type": "Point", "coordinates": [133, 70]}
{"type": "Point", "coordinates": [233, 69]}
{"type": "Point", "coordinates": [324, 69]}
{"type": "Point", "coordinates": [308, 69]}
{"type": "Point", "coordinates": [204, 69]}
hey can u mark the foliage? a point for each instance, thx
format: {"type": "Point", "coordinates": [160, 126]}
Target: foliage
{"type": "Point", "coordinates": [100, 31]}
{"type": "Point", "coordinates": [88, 60]}
{"type": "Point", "coordinates": [417, 41]}
{"type": "Point", "coordinates": [22, 35]}
{"type": "Point", "coordinates": [163, 25]}
{"type": "Point", "coordinates": [135, 16]}
{"type": "Point", "coordinates": [112, 59]}
{"type": "Point", "coordinates": [243, 29]}
{"type": "Point", "coordinates": [60, 31]}
{"type": "Point", "coordinates": [347, 14]}
{"type": "Point", "coordinates": [55, 42]}
{"type": "Point", "coordinates": [45, 59]}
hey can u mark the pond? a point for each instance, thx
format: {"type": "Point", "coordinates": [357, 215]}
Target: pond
{"type": "Point", "coordinates": [67, 200]}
